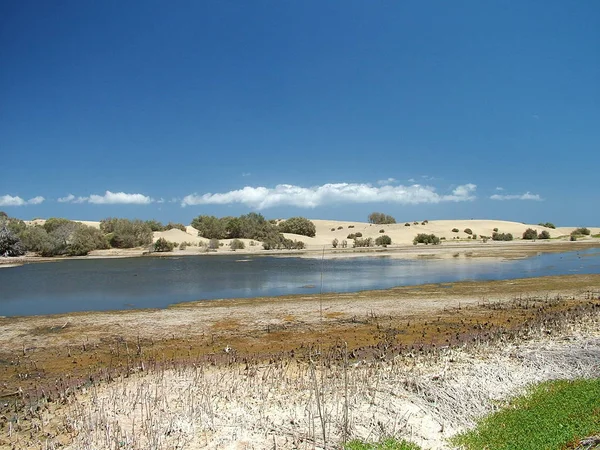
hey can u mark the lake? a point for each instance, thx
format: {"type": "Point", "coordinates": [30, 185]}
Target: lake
{"type": "Point", "coordinates": [128, 283]}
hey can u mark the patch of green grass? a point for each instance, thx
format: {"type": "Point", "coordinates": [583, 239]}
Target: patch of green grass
{"type": "Point", "coordinates": [388, 444]}
{"type": "Point", "coordinates": [596, 235]}
{"type": "Point", "coordinates": [552, 415]}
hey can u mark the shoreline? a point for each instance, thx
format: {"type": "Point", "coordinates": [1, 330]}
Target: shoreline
{"type": "Point", "coordinates": [56, 359]}
{"type": "Point", "coordinates": [449, 249]}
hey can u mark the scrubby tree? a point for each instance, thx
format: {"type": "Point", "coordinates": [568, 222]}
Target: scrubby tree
{"type": "Point", "coordinates": [213, 244]}
{"type": "Point", "coordinates": [334, 243]}
{"type": "Point", "coordinates": [502, 236]}
{"type": "Point", "coordinates": [177, 226]}
{"type": "Point", "coordinates": [162, 245]}
{"type": "Point", "coordinates": [298, 225]}
{"type": "Point", "coordinates": [380, 218]}
{"type": "Point", "coordinates": [210, 227]}
{"type": "Point", "coordinates": [54, 222]}
{"type": "Point", "coordinates": [84, 239]}
{"type": "Point", "coordinates": [360, 242]}
{"type": "Point", "coordinates": [468, 231]}
{"type": "Point", "coordinates": [455, 230]}
{"type": "Point", "coordinates": [544, 235]}
{"type": "Point", "coordinates": [581, 232]}
{"type": "Point", "coordinates": [384, 240]}
{"type": "Point", "coordinates": [34, 238]}
{"type": "Point", "coordinates": [155, 225]}
{"type": "Point", "coordinates": [530, 234]}
{"type": "Point", "coordinates": [125, 233]}
{"type": "Point", "coordinates": [547, 225]}
{"type": "Point", "coordinates": [424, 238]}
{"type": "Point", "coordinates": [236, 244]}
{"type": "Point", "coordinates": [10, 244]}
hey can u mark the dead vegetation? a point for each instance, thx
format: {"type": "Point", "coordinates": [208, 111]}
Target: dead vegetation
{"type": "Point", "coordinates": [302, 380]}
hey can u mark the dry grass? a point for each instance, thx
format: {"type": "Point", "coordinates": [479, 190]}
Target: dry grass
{"type": "Point", "coordinates": [419, 363]}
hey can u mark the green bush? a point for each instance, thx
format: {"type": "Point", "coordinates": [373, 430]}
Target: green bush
{"type": "Point", "coordinates": [502, 237]}
{"type": "Point", "coordinates": [10, 244]}
{"type": "Point", "coordinates": [468, 231]}
{"type": "Point", "coordinates": [580, 232]}
{"type": "Point", "coordinates": [544, 235]}
{"type": "Point", "coordinates": [162, 245]}
{"type": "Point", "coordinates": [358, 235]}
{"type": "Point", "coordinates": [236, 244]}
{"type": "Point", "coordinates": [380, 218]}
{"type": "Point", "coordinates": [84, 239]}
{"type": "Point", "coordinates": [547, 225]}
{"type": "Point", "coordinates": [495, 230]}
{"type": "Point", "coordinates": [340, 227]}
{"type": "Point", "coordinates": [334, 243]}
{"type": "Point", "coordinates": [424, 238]}
{"type": "Point", "coordinates": [407, 224]}
{"type": "Point", "coordinates": [333, 229]}
{"type": "Point", "coordinates": [366, 242]}
{"type": "Point", "coordinates": [382, 231]}
{"type": "Point", "coordinates": [155, 225]}
{"type": "Point", "coordinates": [34, 238]}
{"type": "Point", "coordinates": [350, 226]}
{"type": "Point", "coordinates": [177, 226]}
{"type": "Point", "coordinates": [384, 240]}
{"type": "Point", "coordinates": [213, 244]}
{"type": "Point", "coordinates": [183, 246]}
{"type": "Point", "coordinates": [455, 230]}
{"type": "Point", "coordinates": [127, 233]}
{"type": "Point", "coordinates": [298, 225]}
{"type": "Point", "coordinates": [573, 237]}
{"type": "Point", "coordinates": [351, 236]}
{"type": "Point", "coordinates": [530, 234]}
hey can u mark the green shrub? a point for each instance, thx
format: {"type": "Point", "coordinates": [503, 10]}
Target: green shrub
{"type": "Point", "coordinates": [334, 243]}
{"type": "Point", "coordinates": [407, 224]}
{"type": "Point", "coordinates": [213, 244]}
{"type": "Point", "coordinates": [424, 238]}
{"type": "Point", "coordinates": [350, 226]}
{"type": "Point", "coordinates": [502, 237]}
{"type": "Point", "coordinates": [358, 235]}
{"type": "Point", "coordinates": [340, 227]}
{"type": "Point", "coordinates": [183, 246]}
{"type": "Point", "coordinates": [177, 226]}
{"type": "Point", "coordinates": [573, 237]}
{"type": "Point", "coordinates": [344, 243]}
{"type": "Point", "coordinates": [155, 225]}
{"type": "Point", "coordinates": [366, 242]}
{"type": "Point", "coordinates": [544, 235]}
{"type": "Point", "coordinates": [495, 230]}
{"type": "Point", "coordinates": [236, 244]}
{"type": "Point", "coordinates": [382, 231]}
{"type": "Point", "coordinates": [127, 233]}
{"type": "Point", "coordinates": [415, 223]}
{"type": "Point", "coordinates": [34, 238]}
{"type": "Point", "coordinates": [530, 234]}
{"type": "Point", "coordinates": [84, 239]}
{"type": "Point", "coordinates": [10, 244]}
{"type": "Point", "coordinates": [468, 231]}
{"type": "Point", "coordinates": [333, 229]}
{"type": "Point", "coordinates": [162, 245]}
{"type": "Point", "coordinates": [380, 218]}
{"type": "Point", "coordinates": [547, 225]}
{"type": "Point", "coordinates": [580, 232]}
{"type": "Point", "coordinates": [384, 240]}
{"type": "Point", "coordinates": [351, 236]}
{"type": "Point", "coordinates": [298, 225]}
{"type": "Point", "coordinates": [455, 230]}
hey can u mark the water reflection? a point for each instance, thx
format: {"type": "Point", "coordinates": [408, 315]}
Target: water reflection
{"type": "Point", "coordinates": [157, 282]}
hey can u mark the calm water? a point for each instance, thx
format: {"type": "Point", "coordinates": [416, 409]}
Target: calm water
{"type": "Point", "coordinates": [108, 284]}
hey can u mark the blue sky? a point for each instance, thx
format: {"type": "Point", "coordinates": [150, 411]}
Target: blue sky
{"type": "Point", "coordinates": [422, 110]}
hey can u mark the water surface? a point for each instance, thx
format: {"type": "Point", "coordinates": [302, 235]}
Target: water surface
{"type": "Point", "coordinates": [125, 283]}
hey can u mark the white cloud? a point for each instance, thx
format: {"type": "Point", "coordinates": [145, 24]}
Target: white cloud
{"type": "Point", "coordinates": [499, 188]}
{"type": "Point", "coordinates": [285, 194]}
{"type": "Point", "coordinates": [387, 181]}
{"type": "Point", "coordinates": [112, 198]}
{"type": "Point", "coordinates": [36, 200]}
{"type": "Point", "coordinates": [9, 200]}
{"type": "Point", "coordinates": [525, 196]}
{"type": "Point", "coordinates": [246, 174]}
{"type": "Point", "coordinates": [68, 199]}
